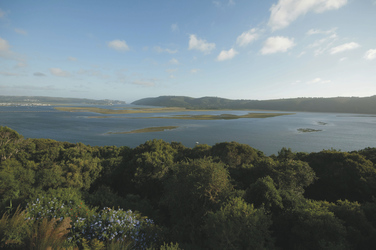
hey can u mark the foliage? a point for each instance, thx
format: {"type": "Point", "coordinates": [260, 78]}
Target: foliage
{"type": "Point", "coordinates": [170, 246]}
{"type": "Point", "coordinates": [341, 176]}
{"type": "Point", "coordinates": [10, 143]}
{"type": "Point", "coordinates": [264, 193]}
{"type": "Point", "coordinates": [359, 231]}
{"type": "Point", "coordinates": [49, 233]}
{"type": "Point", "coordinates": [234, 154]}
{"type": "Point", "coordinates": [110, 225]}
{"type": "Point", "coordinates": [309, 226]}
{"type": "Point", "coordinates": [226, 196]}
{"type": "Point", "coordinates": [194, 189]}
{"type": "Point", "coordinates": [59, 204]}
{"type": "Point", "coordinates": [13, 229]}
{"type": "Point", "coordinates": [238, 225]}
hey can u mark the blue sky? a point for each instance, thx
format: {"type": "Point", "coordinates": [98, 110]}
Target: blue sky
{"type": "Point", "coordinates": [237, 49]}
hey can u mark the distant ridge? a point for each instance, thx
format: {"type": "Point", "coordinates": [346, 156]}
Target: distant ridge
{"type": "Point", "coordinates": [56, 100]}
{"type": "Point", "coordinates": [358, 105]}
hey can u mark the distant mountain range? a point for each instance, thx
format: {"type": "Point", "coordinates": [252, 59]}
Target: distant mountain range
{"type": "Point", "coordinates": [55, 100]}
{"type": "Point", "coordinates": [359, 105]}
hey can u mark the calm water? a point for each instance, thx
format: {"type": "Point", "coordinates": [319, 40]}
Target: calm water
{"type": "Point", "coordinates": [339, 131]}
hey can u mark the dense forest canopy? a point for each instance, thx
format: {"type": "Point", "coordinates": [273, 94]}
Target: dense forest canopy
{"type": "Point", "coordinates": [361, 105]}
{"type": "Point", "coordinates": [166, 196]}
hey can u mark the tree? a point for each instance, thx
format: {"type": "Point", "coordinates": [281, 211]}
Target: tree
{"type": "Point", "coordinates": [264, 193]}
{"type": "Point", "coordinates": [193, 190]}
{"type": "Point", "coordinates": [238, 225]}
{"type": "Point", "coordinates": [309, 226]}
{"type": "Point", "coordinates": [360, 232]}
{"type": "Point", "coordinates": [341, 176]}
{"type": "Point", "coordinates": [144, 170]}
{"type": "Point", "coordinates": [235, 154]}
{"type": "Point", "coordinates": [10, 143]}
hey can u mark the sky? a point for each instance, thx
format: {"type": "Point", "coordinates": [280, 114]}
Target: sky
{"type": "Point", "coordinates": [236, 49]}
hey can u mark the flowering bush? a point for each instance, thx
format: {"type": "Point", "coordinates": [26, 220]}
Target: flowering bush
{"type": "Point", "coordinates": [116, 225]}
{"type": "Point", "coordinates": [107, 225]}
{"type": "Point", "coordinates": [57, 208]}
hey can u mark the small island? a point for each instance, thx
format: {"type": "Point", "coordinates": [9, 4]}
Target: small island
{"type": "Point", "coordinates": [308, 130]}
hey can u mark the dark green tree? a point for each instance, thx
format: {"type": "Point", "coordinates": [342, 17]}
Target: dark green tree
{"type": "Point", "coordinates": [341, 176]}
{"type": "Point", "coordinates": [193, 190]}
{"type": "Point", "coordinates": [238, 225]}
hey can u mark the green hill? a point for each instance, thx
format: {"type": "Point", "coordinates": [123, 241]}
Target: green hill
{"type": "Point", "coordinates": [360, 105]}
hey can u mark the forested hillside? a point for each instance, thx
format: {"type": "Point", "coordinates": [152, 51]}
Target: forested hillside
{"type": "Point", "coordinates": [364, 105]}
{"type": "Point", "coordinates": [163, 195]}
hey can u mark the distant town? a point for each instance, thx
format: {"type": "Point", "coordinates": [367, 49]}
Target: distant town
{"type": "Point", "coordinates": [33, 104]}
{"type": "Point", "coordinates": [49, 101]}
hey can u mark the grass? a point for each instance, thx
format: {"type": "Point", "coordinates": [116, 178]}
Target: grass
{"type": "Point", "coordinates": [146, 130]}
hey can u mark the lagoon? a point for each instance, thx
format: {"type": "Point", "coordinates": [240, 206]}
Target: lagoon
{"type": "Point", "coordinates": [301, 131]}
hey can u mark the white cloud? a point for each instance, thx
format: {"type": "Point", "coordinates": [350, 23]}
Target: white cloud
{"type": "Point", "coordinates": [174, 61]}
{"type": "Point", "coordinates": [344, 47]}
{"type": "Point", "coordinates": [286, 11]}
{"type": "Point", "coordinates": [277, 44]}
{"type": "Point", "coordinates": [322, 41]}
{"type": "Point", "coordinates": [247, 37]}
{"type": "Point", "coordinates": [318, 81]}
{"type": "Point", "coordinates": [194, 71]}
{"type": "Point", "coordinates": [199, 44]}
{"type": "Point", "coordinates": [20, 31]}
{"type": "Point", "coordinates": [226, 55]}
{"type": "Point", "coordinates": [370, 54]}
{"type": "Point", "coordinates": [318, 31]}
{"type": "Point", "coordinates": [219, 4]}
{"type": "Point", "coordinates": [174, 27]}
{"type": "Point", "coordinates": [322, 45]}
{"type": "Point", "coordinates": [119, 45]}
{"type": "Point", "coordinates": [59, 72]}
{"type": "Point", "coordinates": [301, 54]}
{"type": "Point", "coordinates": [7, 53]}
{"type": "Point", "coordinates": [73, 59]}
{"type": "Point", "coordinates": [161, 50]}
{"type": "Point", "coordinates": [4, 47]}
